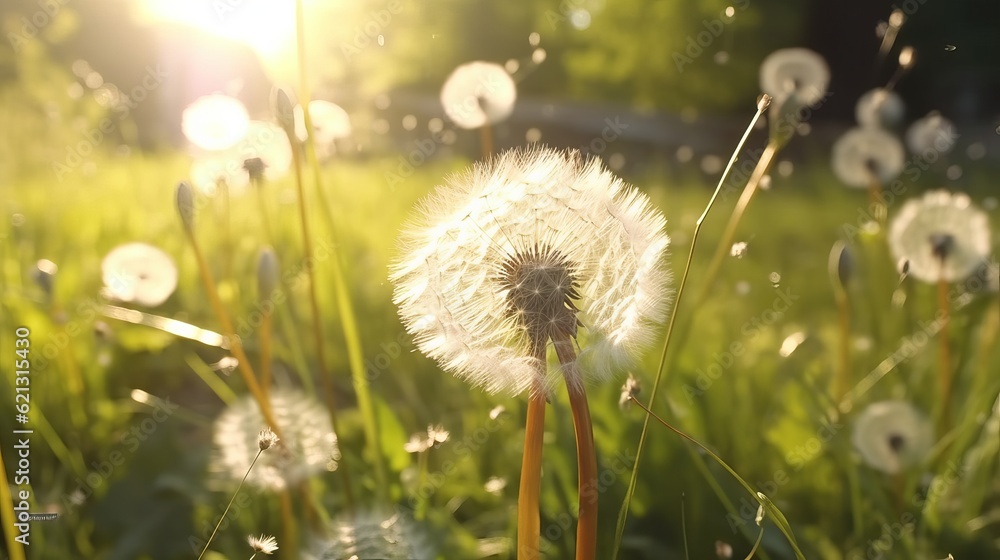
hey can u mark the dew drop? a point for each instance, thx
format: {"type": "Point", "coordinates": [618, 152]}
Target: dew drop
{"type": "Point", "coordinates": [534, 39]}
{"type": "Point", "coordinates": [730, 11]}
{"type": "Point", "coordinates": [511, 66]}
{"type": "Point", "coordinates": [409, 122]}
{"type": "Point", "coordinates": [538, 56]}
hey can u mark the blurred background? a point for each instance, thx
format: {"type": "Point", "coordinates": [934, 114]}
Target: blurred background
{"type": "Point", "coordinates": [93, 141]}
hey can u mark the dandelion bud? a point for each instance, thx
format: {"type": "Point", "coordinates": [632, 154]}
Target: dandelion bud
{"type": "Point", "coordinates": [283, 112]}
{"type": "Point", "coordinates": [185, 205]}
{"type": "Point", "coordinates": [45, 275]}
{"type": "Point", "coordinates": [906, 57]}
{"type": "Point", "coordinates": [840, 265]}
{"type": "Point", "coordinates": [267, 273]}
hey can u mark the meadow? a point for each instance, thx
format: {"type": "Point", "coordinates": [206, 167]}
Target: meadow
{"type": "Point", "coordinates": [823, 385]}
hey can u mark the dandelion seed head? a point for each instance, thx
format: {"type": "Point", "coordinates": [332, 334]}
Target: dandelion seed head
{"type": "Point", "coordinates": [796, 71]}
{"type": "Point", "coordinates": [862, 154]}
{"type": "Point", "coordinates": [892, 435]}
{"type": "Point", "coordinates": [478, 93]}
{"type": "Point", "coordinates": [881, 108]}
{"type": "Point", "coordinates": [940, 236]}
{"type": "Point", "coordinates": [215, 122]}
{"type": "Point", "coordinates": [536, 242]}
{"type": "Point", "coordinates": [371, 535]}
{"type": "Point", "coordinates": [307, 448]}
{"type": "Point", "coordinates": [932, 133]}
{"type": "Point", "coordinates": [138, 273]}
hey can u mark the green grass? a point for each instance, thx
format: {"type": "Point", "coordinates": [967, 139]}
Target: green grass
{"type": "Point", "coordinates": [765, 415]}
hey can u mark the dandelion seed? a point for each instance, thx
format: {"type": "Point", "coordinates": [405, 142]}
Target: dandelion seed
{"type": "Point", "coordinates": [437, 434]}
{"type": "Point", "coordinates": [892, 435]}
{"type": "Point", "coordinates": [940, 236]}
{"type": "Point", "coordinates": [865, 154]}
{"type": "Point", "coordinates": [138, 273]}
{"type": "Point", "coordinates": [264, 544]}
{"type": "Point", "coordinates": [738, 250]}
{"type": "Point", "coordinates": [535, 242]}
{"type": "Point", "coordinates": [417, 444]}
{"type": "Point", "coordinates": [266, 438]}
{"type": "Point", "coordinates": [630, 390]}
{"type": "Point", "coordinates": [495, 485]}
{"type": "Point", "coordinates": [496, 411]}
{"type": "Point", "coordinates": [791, 343]}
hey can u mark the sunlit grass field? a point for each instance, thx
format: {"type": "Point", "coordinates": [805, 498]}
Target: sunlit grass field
{"type": "Point", "coordinates": [752, 381]}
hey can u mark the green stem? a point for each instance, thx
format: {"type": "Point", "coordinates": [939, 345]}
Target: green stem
{"type": "Point", "coordinates": [623, 514]}
{"type": "Point", "coordinates": [231, 500]}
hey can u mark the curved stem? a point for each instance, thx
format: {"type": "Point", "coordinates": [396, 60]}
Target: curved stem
{"type": "Point", "coordinates": [586, 454]}
{"type": "Point", "coordinates": [231, 500]}
{"type": "Point", "coordinates": [623, 513]}
{"type": "Point", "coordinates": [528, 523]}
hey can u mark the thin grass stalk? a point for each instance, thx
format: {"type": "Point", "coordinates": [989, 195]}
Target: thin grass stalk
{"type": "Point", "coordinates": [586, 454]}
{"type": "Point", "coordinates": [266, 335]}
{"type": "Point", "coordinates": [623, 514]}
{"type": "Point", "coordinates": [528, 518]}
{"type": "Point", "coordinates": [486, 140]}
{"type": "Point", "coordinates": [290, 542]}
{"type": "Point", "coordinates": [763, 164]}
{"type": "Point", "coordinates": [7, 516]}
{"type": "Point", "coordinates": [324, 372]}
{"type": "Point", "coordinates": [348, 320]}
{"type": "Point", "coordinates": [235, 344]}
{"type": "Point", "coordinates": [944, 354]}
{"type": "Point", "coordinates": [420, 511]}
{"type": "Point", "coordinates": [231, 500]}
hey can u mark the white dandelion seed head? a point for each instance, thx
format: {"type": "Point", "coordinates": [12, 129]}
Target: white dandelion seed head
{"type": "Point", "coordinates": [941, 236]}
{"type": "Point", "coordinates": [933, 133]}
{"type": "Point", "coordinates": [478, 93]}
{"type": "Point", "coordinates": [796, 71]}
{"type": "Point", "coordinates": [263, 140]}
{"type": "Point", "coordinates": [264, 544]}
{"type": "Point", "coordinates": [138, 273]}
{"type": "Point", "coordinates": [892, 436]}
{"type": "Point", "coordinates": [215, 122]}
{"type": "Point", "coordinates": [308, 445]}
{"type": "Point", "coordinates": [330, 123]}
{"type": "Point", "coordinates": [880, 108]}
{"type": "Point", "coordinates": [534, 231]}
{"type": "Point", "coordinates": [863, 153]}
{"type": "Point", "coordinates": [372, 535]}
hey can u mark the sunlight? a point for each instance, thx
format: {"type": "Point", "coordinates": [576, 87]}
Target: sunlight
{"type": "Point", "coordinates": [268, 26]}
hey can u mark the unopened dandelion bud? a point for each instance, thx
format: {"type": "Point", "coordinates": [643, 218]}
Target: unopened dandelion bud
{"type": "Point", "coordinates": [268, 271]}
{"type": "Point", "coordinates": [283, 112]}
{"type": "Point", "coordinates": [841, 265]}
{"type": "Point", "coordinates": [255, 169]}
{"type": "Point", "coordinates": [185, 205]}
{"type": "Point", "coordinates": [45, 275]}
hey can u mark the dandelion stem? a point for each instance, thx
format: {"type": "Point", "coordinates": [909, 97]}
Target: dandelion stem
{"type": "Point", "coordinates": [623, 514]}
{"type": "Point", "coordinates": [486, 140]}
{"type": "Point", "coordinates": [528, 520]}
{"type": "Point", "coordinates": [348, 321]}
{"type": "Point", "coordinates": [421, 509]}
{"type": "Point", "coordinates": [586, 455]}
{"type": "Point", "coordinates": [763, 164]}
{"type": "Point", "coordinates": [231, 500]}
{"type": "Point", "coordinates": [235, 345]}
{"type": "Point", "coordinates": [317, 326]}
{"type": "Point", "coordinates": [944, 353]}
{"type": "Point", "coordinates": [289, 548]}
{"type": "Point", "coordinates": [265, 352]}
{"type": "Point", "coordinates": [258, 185]}
{"type": "Point", "coordinates": [843, 383]}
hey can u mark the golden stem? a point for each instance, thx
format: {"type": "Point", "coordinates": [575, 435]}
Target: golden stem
{"type": "Point", "coordinates": [586, 454]}
{"type": "Point", "coordinates": [528, 520]}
